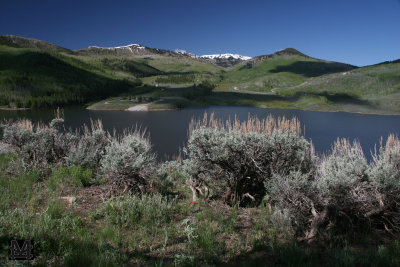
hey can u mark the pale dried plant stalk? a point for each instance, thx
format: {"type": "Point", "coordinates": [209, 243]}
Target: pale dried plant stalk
{"type": "Point", "coordinates": [26, 124]}
{"type": "Point", "coordinates": [391, 148]}
{"type": "Point", "coordinates": [252, 124]}
{"type": "Point", "coordinates": [59, 113]}
{"type": "Point", "coordinates": [95, 125]}
{"type": "Point", "coordinates": [343, 145]}
{"type": "Point", "coordinates": [138, 131]}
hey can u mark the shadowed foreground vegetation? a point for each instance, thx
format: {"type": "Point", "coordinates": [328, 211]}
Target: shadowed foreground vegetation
{"type": "Point", "coordinates": [243, 194]}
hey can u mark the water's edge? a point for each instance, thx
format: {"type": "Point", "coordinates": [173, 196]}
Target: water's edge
{"type": "Point", "coordinates": [168, 129]}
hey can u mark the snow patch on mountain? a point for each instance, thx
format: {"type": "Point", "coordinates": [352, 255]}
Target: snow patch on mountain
{"type": "Point", "coordinates": [181, 51]}
{"type": "Point", "coordinates": [138, 49]}
{"type": "Point", "coordinates": [225, 56]}
{"type": "Point", "coordinates": [130, 46]}
{"type": "Point", "coordinates": [184, 52]}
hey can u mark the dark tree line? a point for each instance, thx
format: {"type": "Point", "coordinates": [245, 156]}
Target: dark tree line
{"type": "Point", "coordinates": [22, 97]}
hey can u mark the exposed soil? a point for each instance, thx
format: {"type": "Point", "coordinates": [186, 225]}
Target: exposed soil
{"type": "Point", "coordinates": [89, 199]}
{"type": "Point", "coordinates": [141, 107]}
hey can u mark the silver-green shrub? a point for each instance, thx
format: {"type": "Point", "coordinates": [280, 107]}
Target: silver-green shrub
{"type": "Point", "coordinates": [339, 194]}
{"type": "Point", "coordinates": [88, 149]}
{"type": "Point", "coordinates": [234, 160]}
{"type": "Point", "coordinates": [293, 192]}
{"type": "Point", "coordinates": [214, 156]}
{"type": "Point", "coordinates": [39, 145]}
{"type": "Point", "coordinates": [385, 169]}
{"type": "Point", "coordinates": [19, 133]}
{"type": "Point", "coordinates": [57, 124]}
{"type": "Point", "coordinates": [128, 163]}
{"type": "Point", "coordinates": [344, 185]}
{"type": "Point", "coordinates": [385, 176]}
{"type": "Point", "coordinates": [343, 169]}
{"type": "Point", "coordinates": [350, 197]}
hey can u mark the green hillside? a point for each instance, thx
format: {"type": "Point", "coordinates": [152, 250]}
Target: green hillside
{"type": "Point", "coordinates": [37, 74]}
{"type": "Point", "coordinates": [21, 42]}
{"type": "Point", "coordinates": [160, 59]}
{"type": "Point", "coordinates": [34, 78]}
{"type": "Point", "coordinates": [163, 63]}
{"type": "Point", "coordinates": [371, 89]}
{"type": "Point", "coordinates": [285, 68]}
{"type": "Point", "coordinates": [376, 80]}
{"type": "Point", "coordinates": [186, 64]}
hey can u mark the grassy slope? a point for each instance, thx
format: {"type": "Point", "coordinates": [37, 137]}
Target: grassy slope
{"type": "Point", "coordinates": [279, 71]}
{"type": "Point", "coordinates": [162, 60]}
{"type": "Point", "coordinates": [368, 81]}
{"type": "Point", "coordinates": [32, 73]}
{"type": "Point", "coordinates": [169, 64]}
{"type": "Point", "coordinates": [152, 68]}
{"type": "Point", "coordinates": [371, 89]}
{"type": "Point", "coordinates": [20, 42]}
{"type": "Point", "coordinates": [300, 82]}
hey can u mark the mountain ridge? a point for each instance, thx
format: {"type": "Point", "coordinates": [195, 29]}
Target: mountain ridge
{"type": "Point", "coordinates": [24, 42]}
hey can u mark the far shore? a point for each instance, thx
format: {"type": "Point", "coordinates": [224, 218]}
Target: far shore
{"type": "Point", "coordinates": [7, 108]}
{"type": "Point", "coordinates": [145, 107]}
{"type": "Point", "coordinates": [234, 102]}
{"type": "Point", "coordinates": [253, 99]}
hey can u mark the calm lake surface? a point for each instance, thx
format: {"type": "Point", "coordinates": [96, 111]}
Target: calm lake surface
{"type": "Point", "coordinates": [168, 129]}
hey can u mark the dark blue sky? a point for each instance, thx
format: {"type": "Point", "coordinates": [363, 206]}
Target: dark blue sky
{"type": "Point", "coordinates": [359, 32]}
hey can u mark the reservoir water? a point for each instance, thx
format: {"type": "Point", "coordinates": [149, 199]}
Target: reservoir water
{"type": "Point", "coordinates": [168, 129]}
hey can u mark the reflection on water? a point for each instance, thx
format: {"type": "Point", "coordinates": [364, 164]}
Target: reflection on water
{"type": "Point", "coordinates": [168, 129]}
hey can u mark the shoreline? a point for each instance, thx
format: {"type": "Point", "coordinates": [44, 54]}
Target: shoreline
{"type": "Point", "coordinates": [144, 107]}
{"type": "Point", "coordinates": [255, 106]}
{"type": "Point", "coordinates": [16, 109]}
{"type": "Point", "coordinates": [140, 107]}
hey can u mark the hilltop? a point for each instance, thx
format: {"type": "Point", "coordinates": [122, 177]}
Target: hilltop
{"type": "Point", "coordinates": [21, 42]}
{"type": "Point", "coordinates": [35, 73]}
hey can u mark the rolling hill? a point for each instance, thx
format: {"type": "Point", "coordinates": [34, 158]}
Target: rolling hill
{"type": "Point", "coordinates": [284, 68]}
{"type": "Point", "coordinates": [32, 78]}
